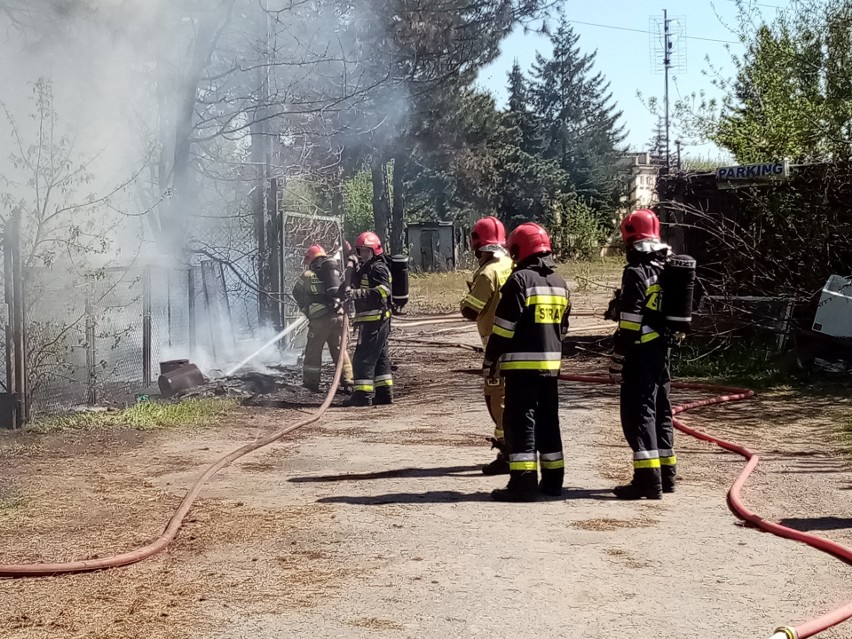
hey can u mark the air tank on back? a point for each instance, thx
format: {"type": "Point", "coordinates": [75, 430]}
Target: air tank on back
{"type": "Point", "coordinates": [678, 284]}
{"type": "Point", "coordinates": [399, 285]}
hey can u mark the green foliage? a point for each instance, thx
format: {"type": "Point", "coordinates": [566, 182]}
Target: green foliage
{"type": "Point", "coordinates": [142, 416]}
{"type": "Point", "coordinates": [583, 128]}
{"type": "Point", "coordinates": [577, 231]}
{"type": "Point", "coordinates": [791, 96]}
{"type": "Point", "coordinates": [748, 361]}
{"type": "Point", "coordinates": [704, 164]}
{"type": "Point", "coordinates": [357, 204]}
{"type": "Point", "coordinates": [551, 156]}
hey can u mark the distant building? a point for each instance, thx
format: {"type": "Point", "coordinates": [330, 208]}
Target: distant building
{"type": "Point", "coordinates": [640, 170]}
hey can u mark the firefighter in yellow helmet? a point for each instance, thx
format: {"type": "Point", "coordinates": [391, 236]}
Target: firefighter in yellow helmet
{"type": "Point", "coordinates": [316, 294]}
{"type": "Point", "coordinates": [488, 242]}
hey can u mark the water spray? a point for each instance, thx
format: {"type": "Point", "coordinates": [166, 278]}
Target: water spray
{"type": "Point", "coordinates": [297, 324]}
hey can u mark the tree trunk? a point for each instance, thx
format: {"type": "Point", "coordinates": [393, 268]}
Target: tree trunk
{"type": "Point", "coordinates": [381, 205]}
{"type": "Point", "coordinates": [184, 197]}
{"type": "Point", "coordinates": [397, 238]}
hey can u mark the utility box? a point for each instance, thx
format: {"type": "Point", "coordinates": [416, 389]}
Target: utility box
{"type": "Point", "coordinates": [834, 314]}
{"type": "Point", "coordinates": [433, 246]}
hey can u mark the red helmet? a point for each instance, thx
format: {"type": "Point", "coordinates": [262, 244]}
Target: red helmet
{"type": "Point", "coordinates": [527, 240]}
{"type": "Point", "coordinates": [640, 225]}
{"type": "Point", "coordinates": [489, 231]}
{"type": "Point", "coordinates": [369, 240]}
{"type": "Point", "coordinates": [313, 253]}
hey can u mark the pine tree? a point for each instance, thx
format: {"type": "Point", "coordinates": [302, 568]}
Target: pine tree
{"type": "Point", "coordinates": [657, 143]}
{"type": "Point", "coordinates": [529, 181]}
{"type": "Point", "coordinates": [584, 133]}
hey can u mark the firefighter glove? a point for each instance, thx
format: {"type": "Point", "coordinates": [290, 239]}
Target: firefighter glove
{"type": "Point", "coordinates": [616, 364]}
{"type": "Point", "coordinates": [489, 370]}
{"type": "Point", "coordinates": [613, 309]}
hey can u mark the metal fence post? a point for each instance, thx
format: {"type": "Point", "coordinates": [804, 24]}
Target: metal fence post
{"type": "Point", "coordinates": [19, 324]}
{"type": "Point", "coordinates": [8, 277]}
{"type": "Point", "coordinates": [146, 326]}
{"type": "Point", "coordinates": [91, 352]}
{"type": "Point", "coordinates": [191, 307]}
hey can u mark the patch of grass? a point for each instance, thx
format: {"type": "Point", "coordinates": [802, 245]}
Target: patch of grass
{"type": "Point", "coordinates": [13, 448]}
{"type": "Point", "coordinates": [750, 362]}
{"type": "Point", "coordinates": [437, 292]}
{"type": "Point", "coordinates": [442, 292]}
{"type": "Point", "coordinates": [594, 276]}
{"type": "Point", "coordinates": [747, 362]}
{"type": "Point", "coordinates": [8, 505]}
{"type": "Point", "coordinates": [144, 416]}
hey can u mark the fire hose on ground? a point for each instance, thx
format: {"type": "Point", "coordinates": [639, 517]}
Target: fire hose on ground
{"type": "Point", "coordinates": [803, 631]}
{"type": "Point", "coordinates": [171, 530]}
{"type": "Point", "coordinates": [735, 501]}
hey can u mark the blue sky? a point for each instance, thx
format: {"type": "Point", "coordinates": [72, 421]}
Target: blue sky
{"type": "Point", "coordinates": [624, 56]}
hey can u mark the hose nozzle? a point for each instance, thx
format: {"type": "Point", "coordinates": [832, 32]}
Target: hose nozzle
{"type": "Point", "coordinates": [785, 633]}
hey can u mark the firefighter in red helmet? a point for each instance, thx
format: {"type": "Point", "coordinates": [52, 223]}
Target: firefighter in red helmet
{"type": "Point", "coordinates": [640, 362]}
{"type": "Point", "coordinates": [371, 294]}
{"type": "Point", "coordinates": [526, 343]}
{"type": "Point", "coordinates": [488, 242]}
{"type": "Point", "coordinates": [316, 293]}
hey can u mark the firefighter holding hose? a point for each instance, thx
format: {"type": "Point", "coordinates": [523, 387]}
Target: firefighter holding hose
{"type": "Point", "coordinates": [525, 345]}
{"type": "Point", "coordinates": [640, 362]}
{"type": "Point", "coordinates": [371, 295]}
{"type": "Point", "coordinates": [488, 242]}
{"type": "Point", "coordinates": [316, 293]}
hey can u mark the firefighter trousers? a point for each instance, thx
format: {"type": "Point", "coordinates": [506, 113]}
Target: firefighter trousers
{"type": "Point", "coordinates": [372, 360]}
{"type": "Point", "coordinates": [495, 398]}
{"type": "Point", "coordinates": [646, 413]}
{"type": "Point", "coordinates": [324, 331]}
{"type": "Point", "coordinates": [531, 423]}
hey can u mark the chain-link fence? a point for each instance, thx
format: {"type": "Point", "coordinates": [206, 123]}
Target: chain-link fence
{"type": "Point", "coordinates": [92, 338]}
{"type": "Point", "coordinates": [97, 337]}
{"type": "Point", "coordinates": [300, 232]}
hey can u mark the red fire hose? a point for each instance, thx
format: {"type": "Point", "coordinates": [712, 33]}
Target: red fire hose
{"type": "Point", "coordinates": [809, 628]}
{"type": "Point", "coordinates": [168, 535]}
{"type": "Point", "coordinates": [735, 502]}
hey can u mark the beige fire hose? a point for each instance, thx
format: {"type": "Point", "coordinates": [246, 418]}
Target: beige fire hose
{"type": "Point", "coordinates": [168, 535]}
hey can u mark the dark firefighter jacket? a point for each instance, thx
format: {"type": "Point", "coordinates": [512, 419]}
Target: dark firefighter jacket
{"type": "Point", "coordinates": [531, 321]}
{"type": "Point", "coordinates": [371, 290]}
{"type": "Point", "coordinates": [317, 289]}
{"type": "Point", "coordinates": [640, 320]}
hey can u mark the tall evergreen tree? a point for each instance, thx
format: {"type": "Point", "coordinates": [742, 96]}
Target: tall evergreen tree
{"type": "Point", "coordinates": [529, 181]}
{"type": "Point", "coordinates": [657, 143]}
{"type": "Point", "coordinates": [584, 129]}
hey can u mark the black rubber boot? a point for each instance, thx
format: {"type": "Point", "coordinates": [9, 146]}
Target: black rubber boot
{"type": "Point", "coordinates": [384, 396]}
{"type": "Point", "coordinates": [358, 398]}
{"type": "Point", "coordinates": [551, 481]}
{"type": "Point", "coordinates": [500, 466]}
{"type": "Point", "coordinates": [646, 484]}
{"type": "Point", "coordinates": [522, 487]}
{"type": "Point", "coordinates": [669, 474]}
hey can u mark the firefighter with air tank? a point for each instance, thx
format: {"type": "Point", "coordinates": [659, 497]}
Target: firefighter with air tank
{"type": "Point", "coordinates": [369, 285]}
{"type": "Point", "coordinates": [653, 309]}
{"type": "Point", "coordinates": [316, 293]}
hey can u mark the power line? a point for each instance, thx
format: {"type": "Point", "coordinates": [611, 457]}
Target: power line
{"type": "Point", "coordinates": [760, 4]}
{"type": "Point", "coordinates": [645, 31]}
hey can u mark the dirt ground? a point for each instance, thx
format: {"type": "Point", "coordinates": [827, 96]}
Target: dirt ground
{"type": "Point", "coordinates": [377, 523]}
